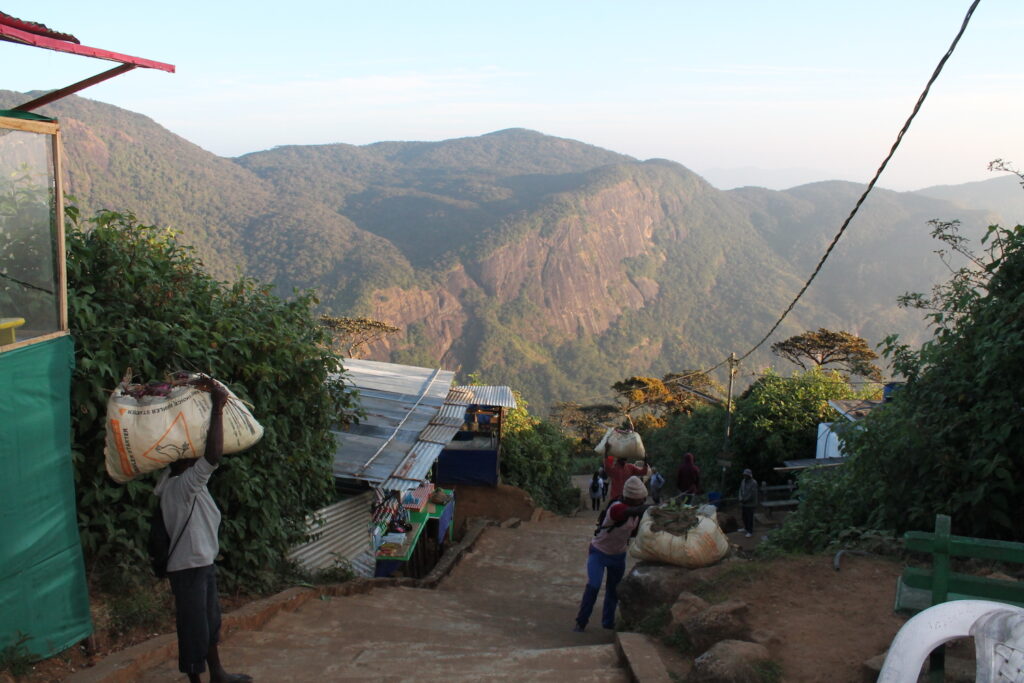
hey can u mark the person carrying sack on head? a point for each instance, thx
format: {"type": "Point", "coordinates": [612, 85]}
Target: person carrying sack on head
{"type": "Point", "coordinates": [192, 518]}
{"type": "Point", "coordinates": [607, 552]}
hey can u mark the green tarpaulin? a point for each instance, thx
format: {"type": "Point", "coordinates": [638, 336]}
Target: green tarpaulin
{"type": "Point", "coordinates": [42, 577]}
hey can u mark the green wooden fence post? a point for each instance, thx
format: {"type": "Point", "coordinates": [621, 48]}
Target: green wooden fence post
{"type": "Point", "coordinates": [940, 590]}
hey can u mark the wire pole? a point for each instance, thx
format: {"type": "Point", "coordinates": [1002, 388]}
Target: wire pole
{"type": "Point", "coordinates": [733, 363]}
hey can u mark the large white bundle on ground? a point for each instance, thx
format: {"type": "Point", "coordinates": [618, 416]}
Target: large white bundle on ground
{"type": "Point", "coordinates": [148, 433]}
{"type": "Point", "coordinates": [621, 444]}
{"type": "Point", "coordinates": [701, 545]}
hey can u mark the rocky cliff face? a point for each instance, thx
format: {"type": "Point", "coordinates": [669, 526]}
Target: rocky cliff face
{"type": "Point", "coordinates": [569, 270]}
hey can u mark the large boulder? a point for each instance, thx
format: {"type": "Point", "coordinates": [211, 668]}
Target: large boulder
{"type": "Point", "coordinates": [732, 661]}
{"type": "Point", "coordinates": [722, 622]}
{"type": "Point", "coordinates": [687, 606]}
{"type": "Point", "coordinates": [651, 585]}
{"type": "Point", "coordinates": [648, 587]}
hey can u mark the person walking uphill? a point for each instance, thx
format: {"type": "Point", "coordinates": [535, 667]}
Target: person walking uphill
{"type": "Point", "coordinates": [607, 552]}
{"type": "Point", "coordinates": [748, 501]}
{"type": "Point", "coordinates": [192, 518]}
{"type": "Point", "coordinates": [596, 492]}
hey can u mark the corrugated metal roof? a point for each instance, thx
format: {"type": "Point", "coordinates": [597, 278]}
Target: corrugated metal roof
{"type": "Point", "coordinates": [342, 532]}
{"type": "Point", "coordinates": [854, 409]}
{"type": "Point", "coordinates": [501, 397]}
{"type": "Point", "coordinates": [412, 413]}
{"type": "Point", "coordinates": [407, 424]}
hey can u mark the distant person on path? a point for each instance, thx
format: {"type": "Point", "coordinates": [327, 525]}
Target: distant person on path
{"type": "Point", "coordinates": [192, 517]}
{"type": "Point", "coordinates": [688, 478]}
{"type": "Point", "coordinates": [596, 491]}
{"type": "Point", "coordinates": [656, 482]}
{"type": "Point", "coordinates": [604, 483]}
{"type": "Point", "coordinates": [608, 552]}
{"type": "Point", "coordinates": [748, 501]}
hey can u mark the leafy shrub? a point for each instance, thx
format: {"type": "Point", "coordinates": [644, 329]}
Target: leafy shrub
{"type": "Point", "coordinates": [777, 418]}
{"type": "Point", "coordinates": [950, 441]}
{"type": "Point", "coordinates": [16, 659]}
{"type": "Point", "coordinates": [139, 299]}
{"type": "Point", "coordinates": [702, 433]}
{"type": "Point", "coordinates": [536, 457]}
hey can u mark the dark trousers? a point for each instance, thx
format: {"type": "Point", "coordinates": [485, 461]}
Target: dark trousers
{"type": "Point", "coordinates": [197, 615]}
{"type": "Point", "coordinates": [595, 503]}
{"type": "Point", "coordinates": [748, 518]}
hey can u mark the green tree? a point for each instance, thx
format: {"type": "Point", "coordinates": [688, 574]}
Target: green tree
{"type": "Point", "coordinates": [951, 439]}
{"type": "Point", "coordinates": [826, 347]}
{"type": "Point", "coordinates": [649, 401]}
{"type": "Point", "coordinates": [777, 418]}
{"type": "Point", "coordinates": [351, 336]}
{"type": "Point", "coordinates": [139, 299]}
{"type": "Point", "coordinates": [536, 457]}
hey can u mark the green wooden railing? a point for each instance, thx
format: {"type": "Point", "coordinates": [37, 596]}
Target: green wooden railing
{"type": "Point", "coordinates": [919, 588]}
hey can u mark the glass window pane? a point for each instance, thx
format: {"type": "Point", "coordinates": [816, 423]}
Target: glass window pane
{"type": "Point", "coordinates": [28, 238]}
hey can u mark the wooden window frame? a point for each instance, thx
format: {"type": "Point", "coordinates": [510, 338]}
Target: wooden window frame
{"type": "Point", "coordinates": [51, 128]}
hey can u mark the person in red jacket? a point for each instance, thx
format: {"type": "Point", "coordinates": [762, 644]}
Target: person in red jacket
{"type": "Point", "coordinates": [619, 471]}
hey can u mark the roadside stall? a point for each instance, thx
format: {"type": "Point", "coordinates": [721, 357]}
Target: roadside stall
{"type": "Point", "coordinates": [382, 467]}
{"type": "Point", "coordinates": [473, 457]}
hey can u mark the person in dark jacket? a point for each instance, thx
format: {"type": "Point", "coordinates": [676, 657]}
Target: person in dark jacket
{"type": "Point", "coordinates": [688, 478]}
{"type": "Point", "coordinates": [748, 501]}
{"type": "Point", "coordinates": [596, 492]}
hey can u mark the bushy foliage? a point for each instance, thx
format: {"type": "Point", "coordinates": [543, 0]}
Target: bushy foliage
{"type": "Point", "coordinates": [702, 433]}
{"type": "Point", "coordinates": [950, 440]}
{"type": "Point", "coordinates": [777, 418]}
{"type": "Point", "coordinates": [139, 299]}
{"type": "Point", "coordinates": [537, 457]}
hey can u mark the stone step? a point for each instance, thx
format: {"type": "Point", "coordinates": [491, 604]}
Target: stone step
{"type": "Point", "coordinates": [592, 663]}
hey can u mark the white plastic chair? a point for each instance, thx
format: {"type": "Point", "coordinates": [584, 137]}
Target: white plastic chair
{"type": "Point", "coordinates": [997, 628]}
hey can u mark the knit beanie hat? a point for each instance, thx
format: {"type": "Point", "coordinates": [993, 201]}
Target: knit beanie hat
{"type": "Point", "coordinates": [634, 489]}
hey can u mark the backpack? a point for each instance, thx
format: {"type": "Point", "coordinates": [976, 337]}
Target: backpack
{"type": "Point", "coordinates": [159, 546]}
{"type": "Point", "coordinates": [601, 516]}
{"type": "Point", "coordinates": [657, 481]}
{"type": "Point", "coordinates": [595, 486]}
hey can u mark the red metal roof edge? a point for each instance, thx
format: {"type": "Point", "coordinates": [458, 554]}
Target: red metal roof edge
{"type": "Point", "coordinates": [18, 36]}
{"type": "Point", "coordinates": [35, 27]}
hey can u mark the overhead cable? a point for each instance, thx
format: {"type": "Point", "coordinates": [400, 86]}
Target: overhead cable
{"type": "Point", "coordinates": [871, 185]}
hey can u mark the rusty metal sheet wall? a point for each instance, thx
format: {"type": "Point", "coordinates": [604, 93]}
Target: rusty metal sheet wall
{"type": "Point", "coordinates": [343, 532]}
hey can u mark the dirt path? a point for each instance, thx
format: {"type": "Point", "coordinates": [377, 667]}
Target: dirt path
{"type": "Point", "coordinates": [505, 613]}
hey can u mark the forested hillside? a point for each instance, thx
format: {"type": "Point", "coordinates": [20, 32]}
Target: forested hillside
{"type": "Point", "coordinates": [546, 263]}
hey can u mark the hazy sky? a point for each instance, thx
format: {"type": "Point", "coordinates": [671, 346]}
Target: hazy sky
{"type": "Point", "coordinates": [770, 93]}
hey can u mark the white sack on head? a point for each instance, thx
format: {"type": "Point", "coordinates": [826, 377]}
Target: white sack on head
{"type": "Point", "coordinates": [151, 432]}
{"type": "Point", "coordinates": [622, 444]}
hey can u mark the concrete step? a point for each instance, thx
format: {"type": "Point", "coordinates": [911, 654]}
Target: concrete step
{"type": "Point", "coordinates": [592, 663]}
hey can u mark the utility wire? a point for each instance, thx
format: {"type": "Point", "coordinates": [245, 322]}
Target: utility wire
{"type": "Point", "coordinates": [871, 185]}
{"type": "Point", "coordinates": [856, 208]}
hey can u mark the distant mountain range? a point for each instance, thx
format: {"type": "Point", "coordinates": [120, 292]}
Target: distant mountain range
{"type": "Point", "coordinates": [548, 264]}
